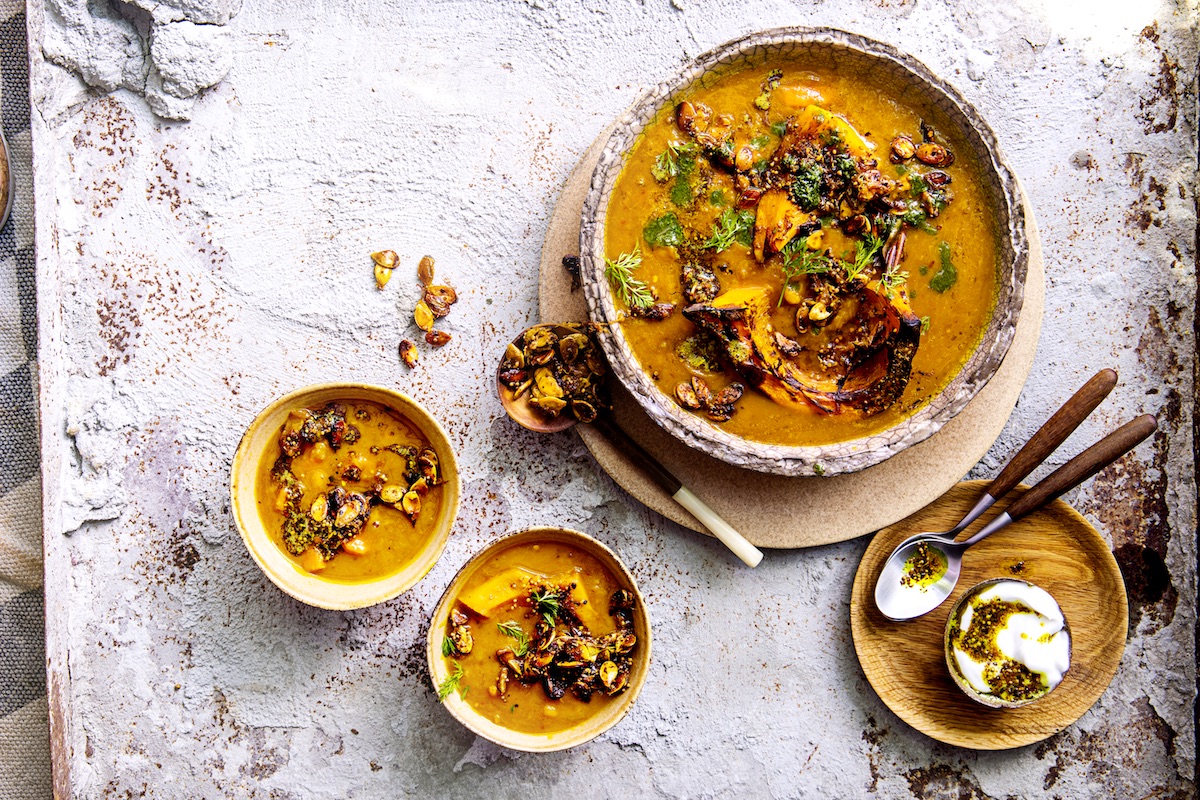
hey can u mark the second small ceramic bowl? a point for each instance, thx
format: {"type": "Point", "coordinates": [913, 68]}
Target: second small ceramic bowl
{"type": "Point", "coordinates": [590, 727]}
{"type": "Point", "coordinates": [1041, 601]}
{"type": "Point", "coordinates": [259, 448]}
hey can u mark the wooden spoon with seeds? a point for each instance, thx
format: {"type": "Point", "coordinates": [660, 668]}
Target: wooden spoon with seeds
{"type": "Point", "coordinates": [517, 405]}
{"type": "Point", "coordinates": [516, 402]}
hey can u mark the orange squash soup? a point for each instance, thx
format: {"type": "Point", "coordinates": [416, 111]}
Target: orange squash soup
{"type": "Point", "coordinates": [540, 638]}
{"type": "Point", "coordinates": [352, 492]}
{"type": "Point", "coordinates": [800, 256]}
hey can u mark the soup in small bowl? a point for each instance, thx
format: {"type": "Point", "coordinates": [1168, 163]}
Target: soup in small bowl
{"type": "Point", "coordinates": [541, 642]}
{"type": "Point", "coordinates": [345, 494]}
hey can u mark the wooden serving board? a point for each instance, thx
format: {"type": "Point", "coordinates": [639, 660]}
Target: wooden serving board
{"type": "Point", "coordinates": [771, 510]}
{"type": "Point", "coordinates": [1054, 548]}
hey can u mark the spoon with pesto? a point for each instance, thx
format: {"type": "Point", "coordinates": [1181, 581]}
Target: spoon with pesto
{"type": "Point", "coordinates": [552, 377]}
{"type": "Point", "coordinates": [923, 569]}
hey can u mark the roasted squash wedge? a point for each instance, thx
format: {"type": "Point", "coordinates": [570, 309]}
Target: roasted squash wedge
{"type": "Point", "coordinates": [877, 359]}
{"type": "Point", "coordinates": [776, 222]}
{"type": "Point", "coordinates": [816, 122]}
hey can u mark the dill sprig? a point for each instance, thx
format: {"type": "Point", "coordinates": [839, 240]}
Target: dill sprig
{"type": "Point", "coordinates": [633, 293]}
{"type": "Point", "coordinates": [453, 683]}
{"type": "Point", "coordinates": [892, 280]}
{"type": "Point", "coordinates": [513, 631]}
{"type": "Point", "coordinates": [865, 251]}
{"type": "Point", "coordinates": [799, 260]}
{"type": "Point", "coordinates": [731, 226]}
{"type": "Point", "coordinates": [666, 165]}
{"type": "Point", "coordinates": [547, 603]}
{"type": "Point", "coordinates": [448, 648]}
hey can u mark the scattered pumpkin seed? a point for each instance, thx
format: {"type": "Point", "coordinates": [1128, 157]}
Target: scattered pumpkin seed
{"type": "Point", "coordinates": [423, 316]}
{"type": "Point", "coordinates": [386, 259]}
{"type": "Point", "coordinates": [408, 352]}
{"type": "Point", "coordinates": [425, 270]}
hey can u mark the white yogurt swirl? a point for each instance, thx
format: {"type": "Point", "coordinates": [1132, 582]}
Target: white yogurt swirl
{"type": "Point", "coordinates": [1034, 636]}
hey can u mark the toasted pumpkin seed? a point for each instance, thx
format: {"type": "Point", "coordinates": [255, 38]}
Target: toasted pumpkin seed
{"type": "Point", "coordinates": [382, 276]}
{"type": "Point", "coordinates": [439, 299]}
{"type": "Point", "coordinates": [386, 259]}
{"type": "Point", "coordinates": [902, 149]}
{"type": "Point", "coordinates": [608, 673]}
{"type": "Point", "coordinates": [425, 270]}
{"type": "Point", "coordinates": [437, 338]}
{"type": "Point", "coordinates": [319, 508]}
{"type": "Point", "coordinates": [686, 396]}
{"type": "Point", "coordinates": [423, 316]}
{"type": "Point", "coordinates": [411, 505]}
{"type": "Point", "coordinates": [514, 357]}
{"type": "Point", "coordinates": [583, 410]}
{"type": "Point", "coordinates": [408, 352]}
{"type": "Point", "coordinates": [935, 155]}
{"type": "Point", "coordinates": [427, 462]}
{"type": "Point", "coordinates": [551, 405]}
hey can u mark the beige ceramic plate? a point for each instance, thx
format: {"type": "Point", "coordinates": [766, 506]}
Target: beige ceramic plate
{"type": "Point", "coordinates": [774, 511]}
{"type": "Point", "coordinates": [839, 50]}
{"type": "Point", "coordinates": [590, 728]}
{"type": "Point", "coordinates": [304, 586]}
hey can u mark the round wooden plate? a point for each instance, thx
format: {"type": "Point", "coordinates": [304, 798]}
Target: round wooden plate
{"type": "Point", "coordinates": [1054, 548]}
{"type": "Point", "coordinates": [771, 510]}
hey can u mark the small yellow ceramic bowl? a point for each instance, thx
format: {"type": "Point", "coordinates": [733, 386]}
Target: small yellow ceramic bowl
{"type": "Point", "coordinates": [257, 451]}
{"type": "Point", "coordinates": [589, 728]}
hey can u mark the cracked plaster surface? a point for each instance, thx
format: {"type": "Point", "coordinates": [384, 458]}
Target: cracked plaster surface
{"type": "Point", "coordinates": [167, 52]}
{"type": "Point", "coordinates": [189, 274]}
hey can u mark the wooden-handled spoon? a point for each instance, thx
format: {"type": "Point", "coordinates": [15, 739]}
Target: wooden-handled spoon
{"type": "Point", "coordinates": [898, 599]}
{"type": "Point", "coordinates": [526, 415]}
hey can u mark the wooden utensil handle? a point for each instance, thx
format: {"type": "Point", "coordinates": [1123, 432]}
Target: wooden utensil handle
{"type": "Point", "coordinates": [657, 472]}
{"type": "Point", "coordinates": [1085, 465]}
{"type": "Point", "coordinates": [1054, 432]}
{"type": "Point", "coordinates": [740, 545]}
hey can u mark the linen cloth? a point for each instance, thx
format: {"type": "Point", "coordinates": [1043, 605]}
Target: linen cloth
{"type": "Point", "coordinates": [24, 728]}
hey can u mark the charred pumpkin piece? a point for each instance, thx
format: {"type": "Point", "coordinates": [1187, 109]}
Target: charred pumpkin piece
{"type": "Point", "coordinates": [795, 97]}
{"type": "Point", "coordinates": [816, 122]}
{"type": "Point", "coordinates": [776, 223]}
{"type": "Point", "coordinates": [881, 342]}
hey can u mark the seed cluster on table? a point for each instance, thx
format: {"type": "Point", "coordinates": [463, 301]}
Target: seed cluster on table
{"type": "Point", "coordinates": [434, 304]}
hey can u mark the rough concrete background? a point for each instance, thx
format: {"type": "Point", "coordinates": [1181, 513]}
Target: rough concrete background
{"type": "Point", "coordinates": [191, 272]}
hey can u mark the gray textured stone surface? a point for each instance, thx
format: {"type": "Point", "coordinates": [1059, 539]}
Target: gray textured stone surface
{"type": "Point", "coordinates": [190, 273]}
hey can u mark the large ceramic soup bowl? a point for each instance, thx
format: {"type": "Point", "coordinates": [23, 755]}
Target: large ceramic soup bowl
{"type": "Point", "coordinates": [805, 250]}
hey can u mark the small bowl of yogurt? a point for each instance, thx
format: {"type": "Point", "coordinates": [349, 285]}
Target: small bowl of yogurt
{"type": "Point", "coordinates": [1007, 643]}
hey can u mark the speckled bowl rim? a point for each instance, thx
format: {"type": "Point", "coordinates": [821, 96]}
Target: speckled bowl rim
{"type": "Point", "coordinates": [306, 587]}
{"type": "Point", "coordinates": [979, 697]}
{"type": "Point", "coordinates": [10, 183]}
{"type": "Point", "coordinates": [855, 454]}
{"type": "Point", "coordinates": [534, 742]}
